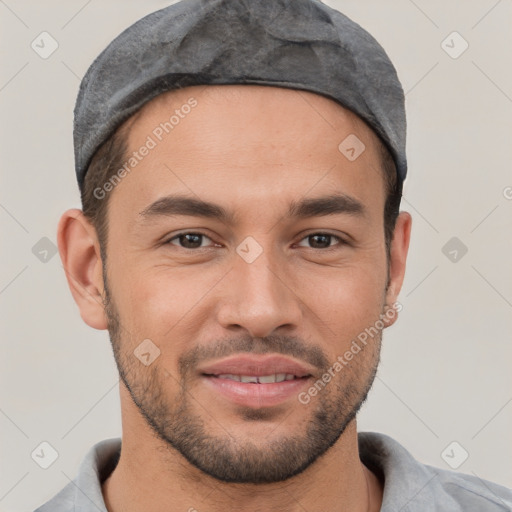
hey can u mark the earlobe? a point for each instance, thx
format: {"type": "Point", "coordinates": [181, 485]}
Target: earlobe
{"type": "Point", "coordinates": [398, 258]}
{"type": "Point", "coordinates": [80, 255]}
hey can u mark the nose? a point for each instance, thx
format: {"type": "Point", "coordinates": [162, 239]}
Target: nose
{"type": "Point", "coordinates": [259, 297]}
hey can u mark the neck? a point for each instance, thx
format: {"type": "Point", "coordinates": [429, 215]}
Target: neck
{"type": "Point", "coordinates": [152, 476]}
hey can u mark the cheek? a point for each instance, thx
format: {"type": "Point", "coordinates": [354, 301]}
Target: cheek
{"type": "Point", "coordinates": [156, 299]}
{"type": "Point", "coordinates": [346, 300]}
{"type": "Point", "coordinates": [157, 302]}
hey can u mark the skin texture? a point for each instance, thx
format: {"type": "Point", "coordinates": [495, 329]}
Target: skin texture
{"type": "Point", "coordinates": [252, 150]}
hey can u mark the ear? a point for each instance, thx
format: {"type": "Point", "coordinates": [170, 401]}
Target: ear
{"type": "Point", "coordinates": [398, 256]}
{"type": "Point", "coordinates": [80, 254]}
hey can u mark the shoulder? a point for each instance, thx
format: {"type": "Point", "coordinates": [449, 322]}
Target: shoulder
{"type": "Point", "coordinates": [411, 486]}
{"type": "Point", "coordinates": [63, 501]}
{"type": "Point", "coordinates": [84, 492]}
{"type": "Point", "coordinates": [471, 492]}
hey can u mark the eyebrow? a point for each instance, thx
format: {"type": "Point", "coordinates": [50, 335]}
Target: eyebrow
{"type": "Point", "coordinates": [333, 204]}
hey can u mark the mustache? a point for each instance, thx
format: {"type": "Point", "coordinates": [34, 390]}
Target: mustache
{"type": "Point", "coordinates": [276, 344]}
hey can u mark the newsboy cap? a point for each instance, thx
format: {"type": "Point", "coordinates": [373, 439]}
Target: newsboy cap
{"type": "Point", "coordinates": [298, 44]}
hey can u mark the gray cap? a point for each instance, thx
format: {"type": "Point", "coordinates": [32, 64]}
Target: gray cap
{"type": "Point", "coordinates": [298, 44]}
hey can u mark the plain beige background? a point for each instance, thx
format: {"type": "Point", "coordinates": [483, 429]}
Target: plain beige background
{"type": "Point", "coordinates": [445, 372]}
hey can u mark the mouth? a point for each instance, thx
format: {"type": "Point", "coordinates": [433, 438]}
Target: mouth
{"type": "Point", "coordinates": [254, 368]}
{"type": "Point", "coordinates": [256, 381]}
{"type": "Point", "coordinates": [256, 391]}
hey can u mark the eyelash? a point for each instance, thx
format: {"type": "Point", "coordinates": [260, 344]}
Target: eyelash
{"type": "Point", "coordinates": [340, 240]}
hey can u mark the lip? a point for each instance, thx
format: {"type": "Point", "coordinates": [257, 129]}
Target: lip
{"type": "Point", "coordinates": [256, 395]}
{"type": "Point", "coordinates": [257, 365]}
{"type": "Point", "coordinates": [251, 394]}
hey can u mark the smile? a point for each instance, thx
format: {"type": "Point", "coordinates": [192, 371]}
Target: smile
{"type": "Point", "coordinates": [258, 379]}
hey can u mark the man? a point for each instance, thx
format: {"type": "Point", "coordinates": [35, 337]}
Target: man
{"type": "Point", "coordinates": [241, 168]}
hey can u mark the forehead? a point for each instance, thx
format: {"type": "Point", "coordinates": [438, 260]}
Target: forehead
{"type": "Point", "coordinates": [228, 99]}
{"type": "Point", "coordinates": [236, 141]}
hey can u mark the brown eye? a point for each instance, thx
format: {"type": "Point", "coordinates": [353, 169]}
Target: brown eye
{"type": "Point", "coordinates": [322, 240]}
{"type": "Point", "coordinates": [189, 240]}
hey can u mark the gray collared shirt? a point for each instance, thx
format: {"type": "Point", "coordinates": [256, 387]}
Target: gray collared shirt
{"type": "Point", "coordinates": [410, 486]}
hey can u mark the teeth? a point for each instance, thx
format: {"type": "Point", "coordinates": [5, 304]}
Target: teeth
{"type": "Point", "coordinates": [247, 378]}
{"type": "Point", "coordinates": [229, 376]}
{"type": "Point", "coordinates": [268, 379]}
{"type": "Point", "coordinates": [262, 379]}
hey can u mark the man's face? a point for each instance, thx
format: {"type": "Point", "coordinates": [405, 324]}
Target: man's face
{"type": "Point", "coordinates": [257, 284]}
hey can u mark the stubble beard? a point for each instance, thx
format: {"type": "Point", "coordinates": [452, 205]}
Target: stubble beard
{"type": "Point", "coordinates": [178, 423]}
